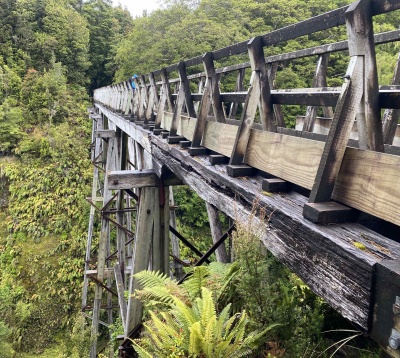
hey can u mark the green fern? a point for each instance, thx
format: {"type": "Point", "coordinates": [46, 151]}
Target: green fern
{"type": "Point", "coordinates": [197, 330]}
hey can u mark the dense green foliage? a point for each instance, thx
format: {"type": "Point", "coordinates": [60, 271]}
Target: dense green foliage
{"type": "Point", "coordinates": [53, 53]}
{"type": "Point", "coordinates": [188, 322]}
{"type": "Point", "coordinates": [49, 51]}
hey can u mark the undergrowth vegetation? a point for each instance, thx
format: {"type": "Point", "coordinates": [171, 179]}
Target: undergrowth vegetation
{"type": "Point", "coordinates": [254, 307]}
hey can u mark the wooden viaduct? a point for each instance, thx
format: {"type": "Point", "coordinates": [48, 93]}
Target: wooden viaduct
{"type": "Point", "coordinates": [330, 187]}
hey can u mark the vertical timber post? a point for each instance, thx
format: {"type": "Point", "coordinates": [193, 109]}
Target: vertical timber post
{"type": "Point", "coordinates": [360, 90]}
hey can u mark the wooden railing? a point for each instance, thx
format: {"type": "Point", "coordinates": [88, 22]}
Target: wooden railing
{"type": "Point", "coordinates": [365, 177]}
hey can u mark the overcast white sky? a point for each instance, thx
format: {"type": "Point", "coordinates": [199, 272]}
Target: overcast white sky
{"type": "Point", "coordinates": [136, 7]}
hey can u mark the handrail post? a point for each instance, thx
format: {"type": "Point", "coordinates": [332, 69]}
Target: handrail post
{"type": "Point", "coordinates": [360, 90]}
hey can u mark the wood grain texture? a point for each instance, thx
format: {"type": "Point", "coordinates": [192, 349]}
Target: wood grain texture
{"type": "Point", "coordinates": [323, 256]}
{"type": "Point", "coordinates": [127, 179]}
{"type": "Point", "coordinates": [290, 158]}
{"type": "Point", "coordinates": [186, 127]}
{"type": "Point", "coordinates": [219, 137]}
{"type": "Point", "coordinates": [369, 181]}
{"type": "Point", "coordinates": [339, 133]}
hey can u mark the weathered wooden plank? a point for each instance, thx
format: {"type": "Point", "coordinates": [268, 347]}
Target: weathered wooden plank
{"type": "Point", "coordinates": [291, 158]}
{"type": "Point", "coordinates": [310, 97]}
{"type": "Point", "coordinates": [128, 179]}
{"type": "Point", "coordinates": [167, 120]}
{"type": "Point", "coordinates": [243, 133]}
{"type": "Point", "coordinates": [186, 127]}
{"type": "Point", "coordinates": [272, 68]}
{"type": "Point", "coordinates": [319, 254]}
{"type": "Point", "coordinates": [219, 137]}
{"type": "Point", "coordinates": [121, 293]}
{"type": "Point", "coordinates": [167, 88]}
{"type": "Point", "coordinates": [368, 181]}
{"type": "Point", "coordinates": [389, 99]}
{"type": "Point", "coordinates": [250, 105]}
{"type": "Point", "coordinates": [104, 133]}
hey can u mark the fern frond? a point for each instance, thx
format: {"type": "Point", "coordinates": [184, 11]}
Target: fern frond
{"type": "Point", "coordinates": [196, 281]}
{"type": "Point", "coordinates": [208, 307]}
{"type": "Point", "coordinates": [196, 339]}
{"type": "Point", "coordinates": [147, 278]}
{"type": "Point", "coordinates": [210, 337]}
{"type": "Point", "coordinates": [142, 353]}
{"type": "Point", "coordinates": [155, 295]}
{"type": "Point", "coordinates": [221, 320]}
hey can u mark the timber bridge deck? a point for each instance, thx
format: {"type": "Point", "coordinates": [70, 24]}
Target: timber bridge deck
{"type": "Point", "coordinates": [330, 187]}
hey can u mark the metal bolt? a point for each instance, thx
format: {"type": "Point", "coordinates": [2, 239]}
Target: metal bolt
{"type": "Point", "coordinates": [394, 340]}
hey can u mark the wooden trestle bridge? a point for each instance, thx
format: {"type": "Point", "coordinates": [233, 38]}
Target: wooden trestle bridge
{"type": "Point", "coordinates": [330, 187]}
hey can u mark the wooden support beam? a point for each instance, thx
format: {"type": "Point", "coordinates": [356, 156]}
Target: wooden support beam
{"type": "Point", "coordinates": [184, 97]}
{"type": "Point", "coordinates": [259, 92]}
{"type": "Point", "coordinates": [386, 315]}
{"type": "Point", "coordinates": [216, 233]}
{"type": "Point", "coordinates": [173, 139]}
{"type": "Point", "coordinates": [141, 254]}
{"type": "Point", "coordinates": [202, 116]}
{"type": "Point", "coordinates": [275, 185]}
{"type": "Point", "coordinates": [128, 179]}
{"type": "Point", "coordinates": [339, 133]}
{"type": "Point", "coordinates": [213, 80]}
{"type": "Point", "coordinates": [319, 81]}
{"type": "Point", "coordinates": [218, 159]}
{"type": "Point", "coordinates": [238, 88]}
{"type": "Point", "coordinates": [104, 133]}
{"type": "Point", "coordinates": [102, 249]}
{"type": "Point", "coordinates": [361, 43]}
{"type": "Point", "coordinates": [391, 116]}
{"type": "Point", "coordinates": [272, 68]}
